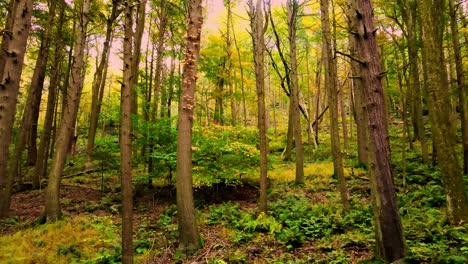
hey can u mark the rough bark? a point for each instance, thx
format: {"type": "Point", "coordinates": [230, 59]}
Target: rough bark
{"type": "Point", "coordinates": [188, 233]}
{"type": "Point", "coordinates": [126, 137]}
{"type": "Point", "coordinates": [331, 86]}
{"type": "Point", "coordinates": [443, 129]}
{"type": "Point", "coordinates": [387, 223]}
{"type": "Point", "coordinates": [66, 129]}
{"type": "Point", "coordinates": [12, 52]}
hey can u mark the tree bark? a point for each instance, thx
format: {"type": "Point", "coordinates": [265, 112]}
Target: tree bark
{"type": "Point", "coordinates": [65, 132]}
{"type": "Point", "coordinates": [15, 36]}
{"type": "Point", "coordinates": [331, 86]}
{"type": "Point", "coordinates": [140, 26]}
{"type": "Point", "coordinates": [360, 110]}
{"type": "Point", "coordinates": [42, 157]}
{"type": "Point", "coordinates": [461, 82]}
{"type": "Point", "coordinates": [188, 233]}
{"type": "Point", "coordinates": [388, 228]}
{"type": "Point", "coordinates": [126, 136]}
{"type": "Point", "coordinates": [28, 125]}
{"type": "Point", "coordinates": [292, 13]}
{"type": "Point", "coordinates": [443, 130]}
{"type": "Point", "coordinates": [258, 40]}
{"type": "Point", "coordinates": [415, 86]}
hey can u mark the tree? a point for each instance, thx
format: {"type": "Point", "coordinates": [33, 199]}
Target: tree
{"type": "Point", "coordinates": [65, 132]}
{"type": "Point", "coordinates": [126, 138]}
{"type": "Point", "coordinates": [461, 82]}
{"type": "Point", "coordinates": [388, 228]}
{"type": "Point", "coordinates": [258, 35]}
{"type": "Point", "coordinates": [329, 60]}
{"type": "Point", "coordinates": [55, 70]}
{"type": "Point", "coordinates": [13, 47]}
{"type": "Point", "coordinates": [292, 12]}
{"type": "Point", "coordinates": [188, 233]}
{"type": "Point", "coordinates": [443, 129]}
{"type": "Point", "coordinates": [99, 81]}
{"type": "Point", "coordinates": [28, 132]}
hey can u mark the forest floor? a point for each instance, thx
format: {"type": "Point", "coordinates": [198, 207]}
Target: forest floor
{"type": "Point", "coordinates": [305, 224]}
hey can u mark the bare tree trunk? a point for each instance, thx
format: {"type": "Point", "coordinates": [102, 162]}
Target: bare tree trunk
{"type": "Point", "coordinates": [28, 132]}
{"type": "Point", "coordinates": [52, 207]}
{"type": "Point", "coordinates": [443, 130]}
{"type": "Point", "coordinates": [415, 85]}
{"type": "Point", "coordinates": [98, 83]}
{"type": "Point", "coordinates": [388, 228]}
{"type": "Point", "coordinates": [15, 36]}
{"type": "Point", "coordinates": [359, 104]}
{"type": "Point", "coordinates": [258, 35]}
{"type": "Point", "coordinates": [462, 104]}
{"type": "Point", "coordinates": [42, 157]}
{"type": "Point", "coordinates": [331, 86]}
{"type": "Point", "coordinates": [292, 13]}
{"type": "Point", "coordinates": [188, 233]}
{"type": "Point", "coordinates": [126, 136]}
{"type": "Point", "coordinates": [140, 26]}
{"type": "Point", "coordinates": [163, 18]}
{"type": "Point", "coordinates": [244, 107]}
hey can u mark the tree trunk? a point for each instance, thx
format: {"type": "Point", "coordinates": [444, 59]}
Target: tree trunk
{"type": "Point", "coordinates": [244, 107]}
{"type": "Point", "coordinates": [360, 110]}
{"type": "Point", "coordinates": [65, 132]}
{"type": "Point", "coordinates": [388, 228]}
{"type": "Point", "coordinates": [258, 35]}
{"type": "Point", "coordinates": [331, 86]}
{"type": "Point", "coordinates": [140, 26]}
{"type": "Point", "coordinates": [415, 86]}
{"type": "Point", "coordinates": [126, 136]}
{"type": "Point", "coordinates": [443, 130]}
{"type": "Point", "coordinates": [159, 58]}
{"type": "Point", "coordinates": [12, 51]}
{"type": "Point", "coordinates": [28, 125]}
{"type": "Point", "coordinates": [461, 84]}
{"type": "Point", "coordinates": [292, 13]}
{"type": "Point", "coordinates": [42, 157]}
{"type": "Point", "coordinates": [99, 80]}
{"type": "Point", "coordinates": [188, 233]}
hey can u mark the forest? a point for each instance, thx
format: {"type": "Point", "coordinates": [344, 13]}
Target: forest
{"type": "Point", "coordinates": [233, 131]}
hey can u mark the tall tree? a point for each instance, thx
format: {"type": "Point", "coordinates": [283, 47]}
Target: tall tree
{"type": "Point", "coordinates": [461, 82]}
{"type": "Point", "coordinates": [55, 70]}
{"type": "Point", "coordinates": [443, 129]}
{"type": "Point", "coordinates": [409, 16]}
{"type": "Point", "coordinates": [188, 233]}
{"type": "Point", "coordinates": [330, 68]}
{"type": "Point", "coordinates": [99, 81]}
{"type": "Point", "coordinates": [28, 132]}
{"type": "Point", "coordinates": [125, 136]}
{"type": "Point", "coordinates": [140, 27]}
{"type": "Point", "coordinates": [388, 228]}
{"type": "Point", "coordinates": [258, 39]}
{"type": "Point", "coordinates": [292, 12]}
{"type": "Point", "coordinates": [13, 47]}
{"type": "Point", "coordinates": [65, 132]}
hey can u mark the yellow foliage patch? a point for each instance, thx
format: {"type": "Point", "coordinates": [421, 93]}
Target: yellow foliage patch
{"type": "Point", "coordinates": [68, 241]}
